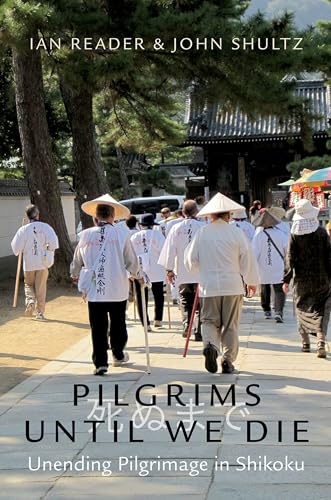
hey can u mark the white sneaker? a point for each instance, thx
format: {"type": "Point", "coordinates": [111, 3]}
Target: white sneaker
{"type": "Point", "coordinates": [278, 318]}
{"type": "Point", "coordinates": [149, 328]}
{"type": "Point", "coordinates": [40, 317]}
{"type": "Point", "coordinates": [120, 362]}
{"type": "Point", "coordinates": [157, 323]}
{"type": "Point", "coordinates": [29, 309]}
{"type": "Point", "coordinates": [101, 370]}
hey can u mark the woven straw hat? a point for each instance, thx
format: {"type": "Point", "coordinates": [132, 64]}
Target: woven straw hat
{"type": "Point", "coordinates": [89, 207]}
{"type": "Point", "coordinates": [218, 204]}
{"type": "Point", "coordinates": [266, 219]}
{"type": "Point", "coordinates": [277, 212]}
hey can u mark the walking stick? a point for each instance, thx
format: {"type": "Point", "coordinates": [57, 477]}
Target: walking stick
{"type": "Point", "coordinates": [18, 273]}
{"type": "Point", "coordinates": [195, 306]}
{"type": "Point", "coordinates": [143, 303]}
{"type": "Point", "coordinates": [168, 304]}
{"type": "Point", "coordinates": [134, 301]}
{"type": "Point", "coordinates": [17, 280]}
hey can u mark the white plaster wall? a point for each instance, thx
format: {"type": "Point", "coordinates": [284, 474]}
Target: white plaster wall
{"type": "Point", "coordinates": [12, 211]}
{"type": "Point", "coordinates": [68, 203]}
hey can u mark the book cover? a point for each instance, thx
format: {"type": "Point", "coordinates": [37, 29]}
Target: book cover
{"type": "Point", "coordinates": [157, 100]}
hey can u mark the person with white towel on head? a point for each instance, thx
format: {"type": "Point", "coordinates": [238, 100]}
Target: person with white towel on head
{"type": "Point", "coordinates": [147, 244]}
{"type": "Point", "coordinates": [172, 258]}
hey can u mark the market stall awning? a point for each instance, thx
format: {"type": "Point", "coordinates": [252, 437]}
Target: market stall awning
{"type": "Point", "coordinates": [300, 183]}
{"type": "Point", "coordinates": [319, 178]}
{"type": "Point", "coordinates": [289, 182]}
{"type": "Point", "coordinates": [312, 186]}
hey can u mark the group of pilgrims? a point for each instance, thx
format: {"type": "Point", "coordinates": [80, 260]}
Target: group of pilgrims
{"type": "Point", "coordinates": [213, 252]}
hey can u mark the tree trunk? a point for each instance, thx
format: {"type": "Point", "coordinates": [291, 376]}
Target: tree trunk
{"type": "Point", "coordinates": [89, 175]}
{"type": "Point", "coordinates": [122, 165]}
{"type": "Point", "coordinates": [37, 153]}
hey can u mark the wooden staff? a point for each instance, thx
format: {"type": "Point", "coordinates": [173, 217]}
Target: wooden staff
{"type": "Point", "coordinates": [168, 304]}
{"type": "Point", "coordinates": [134, 291]}
{"type": "Point", "coordinates": [18, 272]}
{"type": "Point", "coordinates": [17, 281]}
{"type": "Point", "coordinates": [143, 303]}
{"type": "Point", "coordinates": [195, 306]}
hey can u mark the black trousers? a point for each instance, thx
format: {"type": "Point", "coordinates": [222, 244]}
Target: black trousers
{"type": "Point", "coordinates": [98, 316]}
{"type": "Point", "coordinates": [186, 298]}
{"type": "Point", "coordinates": [157, 290]}
{"type": "Point", "coordinates": [279, 297]}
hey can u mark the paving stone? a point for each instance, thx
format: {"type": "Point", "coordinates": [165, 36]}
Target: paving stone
{"type": "Point", "coordinates": [130, 487]}
{"type": "Point", "coordinates": [244, 491]}
{"type": "Point", "coordinates": [292, 386]}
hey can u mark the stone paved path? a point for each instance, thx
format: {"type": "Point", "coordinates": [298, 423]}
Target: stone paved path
{"type": "Point", "coordinates": [292, 386]}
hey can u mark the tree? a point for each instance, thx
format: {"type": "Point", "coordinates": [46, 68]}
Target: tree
{"type": "Point", "coordinates": [307, 12]}
{"type": "Point", "coordinates": [81, 78]}
{"type": "Point", "coordinates": [11, 163]}
{"type": "Point", "coordinates": [21, 20]}
{"type": "Point", "coordinates": [136, 131]}
{"type": "Point", "coordinates": [88, 173]}
{"type": "Point", "coordinates": [160, 178]}
{"type": "Point", "coordinates": [10, 141]}
{"type": "Point", "coordinates": [325, 46]}
{"type": "Point", "coordinates": [142, 84]}
{"type": "Point", "coordinates": [173, 154]}
{"type": "Point", "coordinates": [37, 152]}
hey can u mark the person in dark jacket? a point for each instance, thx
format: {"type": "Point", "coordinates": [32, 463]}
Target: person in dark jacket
{"type": "Point", "coordinates": [308, 262]}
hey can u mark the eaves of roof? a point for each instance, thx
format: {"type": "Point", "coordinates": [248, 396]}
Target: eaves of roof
{"type": "Point", "coordinates": [18, 188]}
{"type": "Point", "coordinates": [214, 125]}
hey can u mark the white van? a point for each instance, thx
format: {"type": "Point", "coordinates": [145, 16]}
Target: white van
{"type": "Point", "coordinates": [153, 204]}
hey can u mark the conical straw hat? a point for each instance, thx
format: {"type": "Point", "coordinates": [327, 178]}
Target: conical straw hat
{"type": "Point", "coordinates": [266, 219]}
{"type": "Point", "coordinates": [277, 212]}
{"type": "Point", "coordinates": [89, 207]}
{"type": "Point", "coordinates": [218, 204]}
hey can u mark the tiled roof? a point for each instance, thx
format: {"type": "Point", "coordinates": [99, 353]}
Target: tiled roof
{"type": "Point", "coordinates": [177, 170]}
{"type": "Point", "coordinates": [214, 125]}
{"type": "Point", "coordinates": [19, 188]}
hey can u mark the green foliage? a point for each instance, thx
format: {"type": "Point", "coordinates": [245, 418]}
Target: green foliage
{"type": "Point", "coordinates": [159, 178]}
{"type": "Point", "coordinates": [6, 173]}
{"type": "Point", "coordinates": [325, 46]}
{"type": "Point", "coordinates": [12, 168]}
{"type": "Point", "coordinates": [19, 18]}
{"type": "Point", "coordinates": [58, 123]}
{"type": "Point", "coordinates": [10, 142]}
{"type": "Point", "coordinates": [139, 93]}
{"type": "Point", "coordinates": [171, 154]}
{"type": "Point", "coordinates": [147, 177]}
{"type": "Point", "coordinates": [143, 124]}
{"type": "Point", "coordinates": [311, 162]}
{"type": "Point", "coordinates": [136, 79]}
